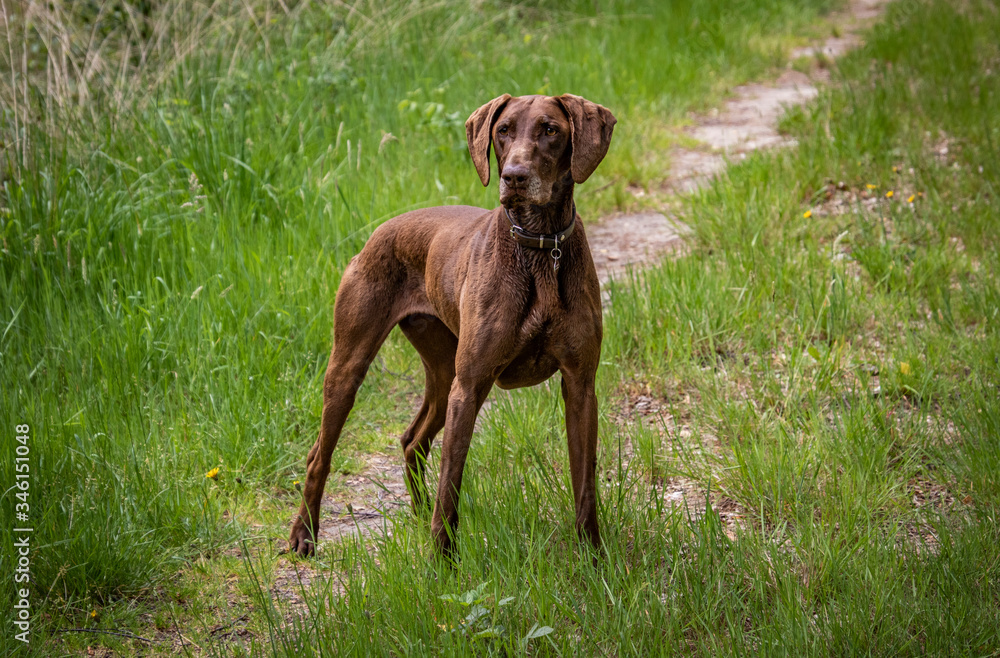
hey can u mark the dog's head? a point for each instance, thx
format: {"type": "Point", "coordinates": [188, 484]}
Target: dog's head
{"type": "Point", "coordinates": [542, 143]}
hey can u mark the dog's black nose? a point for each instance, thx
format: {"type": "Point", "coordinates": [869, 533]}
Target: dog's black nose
{"type": "Point", "coordinates": [515, 174]}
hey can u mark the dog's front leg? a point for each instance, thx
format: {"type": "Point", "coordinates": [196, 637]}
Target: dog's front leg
{"type": "Point", "coordinates": [466, 397]}
{"type": "Point", "coordinates": [581, 434]}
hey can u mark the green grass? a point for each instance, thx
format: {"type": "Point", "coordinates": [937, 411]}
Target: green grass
{"type": "Point", "coordinates": [851, 500]}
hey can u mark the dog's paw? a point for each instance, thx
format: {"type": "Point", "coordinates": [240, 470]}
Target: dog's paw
{"type": "Point", "coordinates": [445, 547]}
{"type": "Point", "coordinates": [422, 507]}
{"type": "Point", "coordinates": [301, 540]}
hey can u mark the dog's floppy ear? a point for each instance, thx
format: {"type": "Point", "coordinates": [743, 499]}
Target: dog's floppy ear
{"type": "Point", "coordinates": [590, 134]}
{"type": "Point", "coordinates": [479, 133]}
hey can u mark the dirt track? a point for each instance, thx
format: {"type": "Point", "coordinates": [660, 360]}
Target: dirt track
{"type": "Point", "coordinates": [747, 122]}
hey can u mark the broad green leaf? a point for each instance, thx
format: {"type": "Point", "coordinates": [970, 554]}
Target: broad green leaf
{"type": "Point", "coordinates": [537, 631]}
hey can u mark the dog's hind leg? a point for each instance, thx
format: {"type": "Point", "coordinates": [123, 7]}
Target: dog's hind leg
{"type": "Point", "coordinates": [436, 345]}
{"type": "Point", "coordinates": [363, 317]}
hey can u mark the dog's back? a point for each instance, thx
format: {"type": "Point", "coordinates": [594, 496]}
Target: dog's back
{"type": "Point", "coordinates": [411, 238]}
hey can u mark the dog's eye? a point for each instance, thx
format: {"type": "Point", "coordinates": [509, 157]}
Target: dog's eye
{"type": "Point", "coordinates": [502, 130]}
{"type": "Point", "coordinates": [549, 130]}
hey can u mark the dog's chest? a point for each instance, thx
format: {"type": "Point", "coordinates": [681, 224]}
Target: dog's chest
{"type": "Point", "coordinates": [550, 315]}
{"type": "Point", "coordinates": [534, 360]}
{"type": "Point", "coordinates": [533, 364]}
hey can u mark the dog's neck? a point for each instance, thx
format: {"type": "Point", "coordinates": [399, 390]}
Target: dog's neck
{"type": "Point", "coordinates": [550, 218]}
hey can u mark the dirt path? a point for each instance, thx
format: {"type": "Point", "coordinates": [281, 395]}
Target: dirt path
{"type": "Point", "coordinates": [746, 123]}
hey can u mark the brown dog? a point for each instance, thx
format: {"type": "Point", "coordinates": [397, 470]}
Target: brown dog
{"type": "Point", "coordinates": [505, 296]}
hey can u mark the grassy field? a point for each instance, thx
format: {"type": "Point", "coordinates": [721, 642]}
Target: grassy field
{"type": "Point", "coordinates": [823, 363]}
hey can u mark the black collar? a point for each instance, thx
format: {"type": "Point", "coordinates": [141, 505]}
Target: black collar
{"type": "Point", "coordinates": [540, 240]}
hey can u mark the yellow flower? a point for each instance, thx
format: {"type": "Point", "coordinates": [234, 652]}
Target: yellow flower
{"type": "Point", "coordinates": [910, 198]}
{"type": "Point", "coordinates": [807, 214]}
{"type": "Point", "coordinates": [889, 194]}
{"type": "Point", "coordinates": [895, 169]}
{"type": "Point", "coordinates": [905, 368]}
{"type": "Point", "coordinates": [870, 186]}
{"type": "Point", "coordinates": [93, 614]}
{"type": "Point", "coordinates": [213, 474]}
